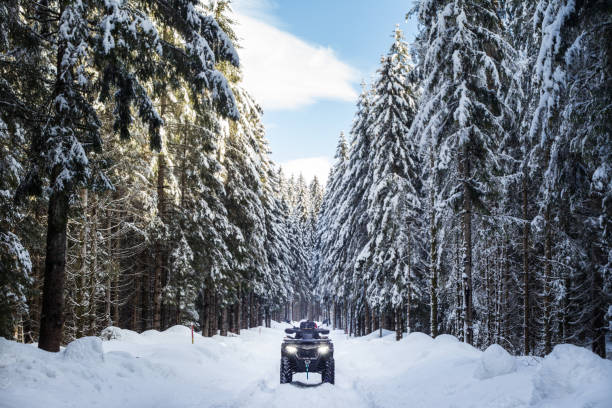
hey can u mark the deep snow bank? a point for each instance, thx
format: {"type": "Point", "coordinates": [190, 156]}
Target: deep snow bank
{"type": "Point", "coordinates": [572, 376]}
{"type": "Point", "coordinates": [163, 369]}
{"type": "Point", "coordinates": [495, 361]}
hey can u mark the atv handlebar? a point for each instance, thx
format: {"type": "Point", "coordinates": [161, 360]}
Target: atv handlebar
{"type": "Point", "coordinates": [296, 330]}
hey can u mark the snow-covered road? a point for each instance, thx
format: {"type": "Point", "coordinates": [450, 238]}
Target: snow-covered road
{"type": "Point", "coordinates": [155, 369]}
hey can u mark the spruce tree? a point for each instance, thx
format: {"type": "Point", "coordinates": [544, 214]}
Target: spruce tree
{"type": "Point", "coordinates": [93, 48]}
{"type": "Point", "coordinates": [393, 202]}
{"type": "Point", "coordinates": [463, 112]}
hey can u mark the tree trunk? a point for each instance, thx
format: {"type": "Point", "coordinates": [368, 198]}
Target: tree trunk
{"type": "Point", "coordinates": [268, 318]}
{"type": "Point", "coordinates": [547, 282]}
{"type": "Point", "coordinates": [467, 250]}
{"type": "Point", "coordinates": [598, 324]}
{"type": "Point", "coordinates": [157, 274]}
{"type": "Point", "coordinates": [206, 313]}
{"type": "Point", "coordinates": [398, 323]}
{"type": "Point", "coordinates": [108, 321]}
{"type": "Point", "coordinates": [346, 319]}
{"type": "Point", "coordinates": [52, 313]}
{"type": "Point", "coordinates": [244, 314]}
{"type": "Point", "coordinates": [224, 321]}
{"type": "Point", "coordinates": [177, 308]}
{"type": "Point", "coordinates": [145, 305]}
{"type": "Point", "coordinates": [135, 309]}
{"type": "Point", "coordinates": [334, 316]}
{"type": "Point", "coordinates": [80, 310]}
{"type": "Point", "coordinates": [458, 289]}
{"type": "Point", "coordinates": [489, 300]}
{"type": "Point", "coordinates": [253, 313]}
{"type": "Point", "coordinates": [433, 234]}
{"type": "Point", "coordinates": [259, 313]}
{"type": "Point", "coordinates": [93, 274]}
{"type": "Point", "coordinates": [408, 329]}
{"type": "Point", "coordinates": [526, 278]}
{"type": "Point", "coordinates": [116, 269]}
{"type": "Point", "coordinates": [367, 319]}
{"type": "Point", "coordinates": [237, 316]}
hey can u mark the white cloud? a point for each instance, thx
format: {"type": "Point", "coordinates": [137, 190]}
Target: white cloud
{"type": "Point", "coordinates": [283, 71]}
{"type": "Point", "coordinates": [308, 167]}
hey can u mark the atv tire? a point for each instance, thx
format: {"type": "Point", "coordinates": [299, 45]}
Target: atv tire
{"type": "Point", "coordinates": [286, 375]}
{"type": "Point", "coordinates": [328, 374]}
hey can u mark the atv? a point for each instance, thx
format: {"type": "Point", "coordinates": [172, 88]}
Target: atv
{"type": "Point", "coordinates": [307, 352]}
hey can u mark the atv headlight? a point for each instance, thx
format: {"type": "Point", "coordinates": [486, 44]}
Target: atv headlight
{"type": "Point", "coordinates": [323, 349]}
{"type": "Point", "coordinates": [291, 349]}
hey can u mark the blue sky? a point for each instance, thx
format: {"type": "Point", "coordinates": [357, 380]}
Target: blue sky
{"type": "Point", "coordinates": [304, 60]}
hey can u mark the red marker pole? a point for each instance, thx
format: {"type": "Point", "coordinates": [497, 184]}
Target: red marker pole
{"type": "Point", "coordinates": [191, 333]}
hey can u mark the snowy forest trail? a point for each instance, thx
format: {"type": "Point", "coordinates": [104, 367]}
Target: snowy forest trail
{"type": "Point", "coordinates": [164, 370]}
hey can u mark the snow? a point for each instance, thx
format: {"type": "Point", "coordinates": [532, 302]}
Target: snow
{"type": "Point", "coordinates": [495, 361]}
{"type": "Point", "coordinates": [572, 376]}
{"type": "Point", "coordinates": [163, 369]}
{"type": "Point", "coordinates": [85, 350]}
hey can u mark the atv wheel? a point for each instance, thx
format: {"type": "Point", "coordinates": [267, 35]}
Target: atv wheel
{"type": "Point", "coordinates": [328, 373]}
{"type": "Point", "coordinates": [286, 375]}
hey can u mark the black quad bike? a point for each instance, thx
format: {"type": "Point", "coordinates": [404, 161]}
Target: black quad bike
{"type": "Point", "coordinates": [307, 352]}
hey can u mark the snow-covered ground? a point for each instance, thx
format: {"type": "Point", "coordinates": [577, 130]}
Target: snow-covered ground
{"type": "Point", "coordinates": [156, 369]}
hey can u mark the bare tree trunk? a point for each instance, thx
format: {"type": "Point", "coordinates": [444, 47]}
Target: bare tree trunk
{"type": "Point", "coordinates": [109, 274]}
{"type": "Point", "coordinates": [206, 313]}
{"type": "Point", "coordinates": [598, 324]}
{"type": "Point", "coordinates": [214, 316]}
{"type": "Point", "coordinates": [253, 312]}
{"type": "Point", "coordinates": [145, 306]}
{"type": "Point", "coordinates": [466, 277]}
{"type": "Point", "coordinates": [157, 274]}
{"type": "Point", "coordinates": [352, 319]}
{"type": "Point", "coordinates": [398, 323]}
{"type": "Point", "coordinates": [244, 315]}
{"type": "Point", "coordinates": [116, 269]}
{"type": "Point", "coordinates": [526, 278]}
{"type": "Point", "coordinates": [224, 320]}
{"type": "Point", "coordinates": [547, 282]}
{"type": "Point", "coordinates": [34, 299]}
{"type": "Point", "coordinates": [52, 313]}
{"type": "Point", "coordinates": [367, 319]}
{"type": "Point", "coordinates": [408, 329]}
{"type": "Point", "coordinates": [489, 301]}
{"type": "Point", "coordinates": [286, 311]}
{"type": "Point", "coordinates": [236, 317]}
{"type": "Point", "coordinates": [458, 289]}
{"type": "Point", "coordinates": [135, 310]}
{"type": "Point", "coordinates": [93, 274]}
{"type": "Point", "coordinates": [433, 267]}
{"type": "Point", "coordinates": [259, 313]}
{"type": "Point", "coordinates": [373, 320]}
{"type": "Point", "coordinates": [80, 310]}
{"type": "Point", "coordinates": [334, 316]}
{"type": "Point", "coordinates": [506, 290]}
{"type": "Point", "coordinates": [177, 308]}
{"type": "Point", "coordinates": [346, 318]}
